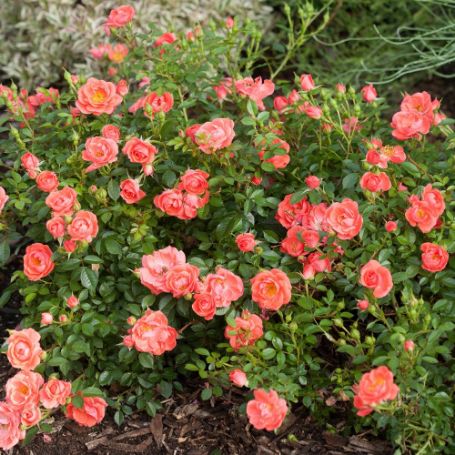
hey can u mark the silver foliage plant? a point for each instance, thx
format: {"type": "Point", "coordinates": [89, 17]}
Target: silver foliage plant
{"type": "Point", "coordinates": [41, 37]}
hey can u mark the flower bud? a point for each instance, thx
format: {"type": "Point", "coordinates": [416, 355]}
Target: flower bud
{"type": "Point", "coordinates": [131, 320]}
{"type": "Point", "coordinates": [63, 318]}
{"type": "Point", "coordinates": [409, 345]}
{"type": "Point", "coordinates": [46, 318]}
{"type": "Point", "coordinates": [338, 322]}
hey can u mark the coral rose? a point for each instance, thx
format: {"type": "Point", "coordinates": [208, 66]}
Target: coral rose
{"type": "Point", "coordinates": [170, 202]}
{"type": "Point", "coordinates": [369, 93]}
{"type": "Point", "coordinates": [46, 318]}
{"type": "Point", "coordinates": [38, 261]}
{"type": "Point", "coordinates": [245, 242]}
{"type": "Point", "coordinates": [374, 387]}
{"type": "Point", "coordinates": [152, 333]}
{"type": "Point", "coordinates": [121, 16]}
{"type": "Point", "coordinates": [11, 432]}
{"type": "Point", "coordinates": [247, 329]}
{"type": "Point", "coordinates": [194, 181]}
{"type": "Point", "coordinates": [344, 218]}
{"type": "Point", "coordinates": [375, 182]}
{"type": "Point", "coordinates": [3, 198]}
{"type": "Point", "coordinates": [204, 306]}
{"type": "Point", "coordinates": [91, 413]}
{"type": "Point", "coordinates": [23, 388]}
{"type": "Point", "coordinates": [224, 286]}
{"type": "Point", "coordinates": [391, 226]}
{"type": "Point", "coordinates": [56, 227]}
{"type": "Point", "coordinates": [31, 164]}
{"type": "Point", "coordinates": [130, 191]}
{"type": "Point", "coordinates": [271, 289]}
{"type": "Point", "coordinates": [255, 89]}
{"type": "Point", "coordinates": [154, 103]}
{"type": "Point", "coordinates": [24, 350]}
{"type": "Point", "coordinates": [111, 132]}
{"type": "Point", "coordinates": [238, 378]}
{"type": "Point", "coordinates": [377, 277]}
{"type": "Point", "coordinates": [215, 135]}
{"type": "Point", "coordinates": [182, 279]}
{"type": "Point", "coordinates": [165, 38]}
{"type": "Point", "coordinates": [156, 265]}
{"type": "Point", "coordinates": [84, 226]}
{"type": "Point", "coordinates": [315, 263]}
{"type": "Point", "coordinates": [435, 199]}
{"type": "Point", "coordinates": [306, 82]}
{"type": "Point", "coordinates": [434, 257]}
{"type": "Point", "coordinates": [62, 202]}
{"type": "Point", "coordinates": [312, 182]}
{"type": "Point", "coordinates": [267, 410]}
{"type": "Point", "coordinates": [97, 97]}
{"type": "Point", "coordinates": [421, 214]}
{"type": "Point", "coordinates": [100, 152]}
{"type": "Point", "coordinates": [142, 152]}
{"type": "Point", "coordinates": [117, 54]}
{"type": "Point", "coordinates": [47, 181]}
{"type": "Point", "coordinates": [54, 393]}
{"type": "Point", "coordinates": [72, 301]}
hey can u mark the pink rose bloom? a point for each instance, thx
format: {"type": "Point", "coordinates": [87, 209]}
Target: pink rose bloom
{"type": "Point", "coordinates": [306, 82]}
{"type": "Point", "coordinates": [72, 301]}
{"type": "Point", "coordinates": [419, 103]}
{"type": "Point", "coordinates": [3, 198]}
{"type": "Point", "coordinates": [224, 88]}
{"type": "Point", "coordinates": [375, 182]}
{"type": "Point", "coordinates": [62, 202]}
{"type": "Point", "coordinates": [97, 97]}
{"type": "Point", "coordinates": [289, 214]}
{"type": "Point", "coordinates": [100, 152]}
{"type": "Point", "coordinates": [194, 181]}
{"type": "Point", "coordinates": [421, 214]}
{"type": "Point", "coordinates": [157, 103]}
{"type": "Point", "coordinates": [408, 125]}
{"type": "Point", "coordinates": [434, 257]}
{"type": "Point", "coordinates": [391, 226]}
{"type": "Point", "coordinates": [341, 88]}
{"type": "Point", "coordinates": [191, 132]}
{"type": "Point", "coordinates": [267, 411]}
{"type": "Point", "coordinates": [142, 152]}
{"type": "Point", "coordinates": [131, 191]}
{"type": "Point", "coordinates": [369, 93]}
{"type": "Point", "coordinates": [117, 54]}
{"type": "Point", "coordinates": [312, 182]}
{"type": "Point", "coordinates": [215, 135]}
{"type": "Point", "coordinates": [435, 198]}
{"type": "Point", "coordinates": [374, 387]}
{"type": "Point", "coordinates": [344, 218]}
{"type": "Point", "coordinates": [47, 181]}
{"type": "Point", "coordinates": [245, 242]}
{"type": "Point", "coordinates": [111, 132]}
{"type": "Point", "coordinates": [204, 306]}
{"type": "Point", "coordinates": [121, 16]}
{"type": "Point", "coordinates": [54, 393]}
{"type": "Point", "coordinates": [171, 203]}
{"type": "Point", "coordinates": [363, 305]}
{"type": "Point", "coordinates": [138, 104]}
{"type": "Point", "coordinates": [122, 87]}
{"type": "Point", "coordinates": [152, 333]}
{"type": "Point", "coordinates": [409, 345]}
{"type": "Point", "coordinates": [70, 246]}
{"type": "Point", "coordinates": [238, 378]}
{"type": "Point", "coordinates": [23, 388]}
{"type": "Point", "coordinates": [38, 261]}
{"type": "Point", "coordinates": [182, 279]}
{"type": "Point", "coordinates": [144, 82]}
{"type": "Point", "coordinates": [377, 277]}
{"type": "Point", "coordinates": [314, 112]}
{"type": "Point", "coordinates": [298, 239]}
{"type": "Point", "coordinates": [165, 38]}
{"type": "Point", "coordinates": [280, 103]}
{"type": "Point", "coordinates": [100, 51]}
{"type": "Point", "coordinates": [255, 89]}
{"type": "Point", "coordinates": [224, 286]}
{"type": "Point", "coordinates": [271, 289]}
{"type": "Point", "coordinates": [248, 329]}
{"type": "Point", "coordinates": [315, 263]}
{"type": "Point", "coordinates": [10, 421]}
{"type": "Point", "coordinates": [156, 265]}
{"type": "Point", "coordinates": [91, 413]}
{"type": "Point", "coordinates": [56, 227]}
{"type": "Point", "coordinates": [30, 415]}
{"type": "Point", "coordinates": [84, 226]}
{"type": "Point", "coordinates": [46, 318]}
{"type": "Point", "coordinates": [31, 164]}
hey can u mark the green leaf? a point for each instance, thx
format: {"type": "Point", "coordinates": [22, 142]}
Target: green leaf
{"type": "Point", "coordinates": [92, 392]}
{"type": "Point", "coordinates": [89, 279]}
{"type": "Point", "coordinates": [4, 252]}
{"type": "Point", "coordinates": [112, 246]}
{"type": "Point", "coordinates": [146, 360]}
{"type": "Point", "coordinates": [268, 353]}
{"type": "Point", "coordinates": [113, 190]}
{"type": "Point", "coordinates": [350, 180]}
{"type": "Point", "coordinates": [119, 418]}
{"type": "Point", "coordinates": [77, 401]}
{"type": "Point", "coordinates": [206, 394]}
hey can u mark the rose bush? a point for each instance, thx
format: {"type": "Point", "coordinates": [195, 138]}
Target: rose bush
{"type": "Point", "coordinates": [238, 236]}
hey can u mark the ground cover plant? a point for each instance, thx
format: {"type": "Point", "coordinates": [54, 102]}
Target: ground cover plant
{"type": "Point", "coordinates": [180, 217]}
